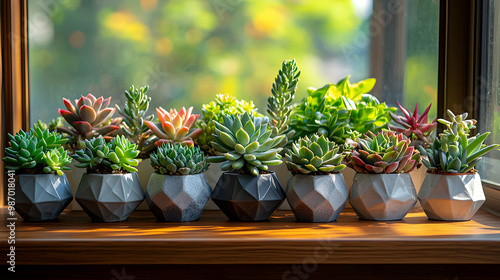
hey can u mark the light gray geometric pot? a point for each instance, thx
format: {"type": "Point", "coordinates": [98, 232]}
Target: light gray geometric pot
{"type": "Point", "coordinates": [41, 197]}
{"type": "Point", "coordinates": [109, 197]}
{"type": "Point", "coordinates": [382, 197]}
{"type": "Point", "coordinates": [317, 198]}
{"type": "Point", "coordinates": [177, 198]}
{"type": "Point", "coordinates": [243, 197]}
{"type": "Point", "coordinates": [451, 197]}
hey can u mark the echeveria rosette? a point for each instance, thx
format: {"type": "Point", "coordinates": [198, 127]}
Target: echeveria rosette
{"type": "Point", "coordinates": [385, 152]}
{"type": "Point", "coordinates": [244, 143]}
{"type": "Point", "coordinates": [175, 126]}
{"type": "Point", "coordinates": [414, 126]}
{"type": "Point", "coordinates": [315, 155]}
{"type": "Point", "coordinates": [88, 117]}
{"type": "Point", "coordinates": [454, 151]}
{"type": "Point", "coordinates": [177, 159]}
{"type": "Point", "coordinates": [56, 161]}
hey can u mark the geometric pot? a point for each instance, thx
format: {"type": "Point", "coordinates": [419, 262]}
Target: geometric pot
{"type": "Point", "coordinates": [109, 197]}
{"type": "Point", "coordinates": [382, 197]}
{"type": "Point", "coordinates": [245, 197]}
{"type": "Point", "coordinates": [41, 197]}
{"type": "Point", "coordinates": [451, 197]}
{"type": "Point", "coordinates": [177, 198]}
{"type": "Point", "coordinates": [317, 198]}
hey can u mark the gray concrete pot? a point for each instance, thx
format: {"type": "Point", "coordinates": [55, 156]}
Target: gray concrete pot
{"type": "Point", "coordinates": [248, 198]}
{"type": "Point", "coordinates": [179, 198]}
{"type": "Point", "coordinates": [41, 197]}
{"type": "Point", "coordinates": [382, 197]}
{"type": "Point", "coordinates": [451, 197]}
{"type": "Point", "coordinates": [317, 198]}
{"type": "Point", "coordinates": [109, 197]}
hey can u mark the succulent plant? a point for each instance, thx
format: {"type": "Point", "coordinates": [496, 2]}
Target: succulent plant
{"type": "Point", "coordinates": [176, 159]}
{"type": "Point", "coordinates": [279, 104]}
{"type": "Point", "coordinates": [175, 126]}
{"type": "Point", "coordinates": [134, 115]}
{"type": "Point", "coordinates": [415, 127]}
{"type": "Point", "coordinates": [223, 105]}
{"type": "Point", "coordinates": [52, 125]}
{"type": "Point", "coordinates": [244, 143]}
{"type": "Point", "coordinates": [89, 117]}
{"type": "Point", "coordinates": [454, 151]}
{"type": "Point", "coordinates": [316, 155]}
{"type": "Point", "coordinates": [117, 156]}
{"type": "Point", "coordinates": [384, 152]}
{"type": "Point", "coordinates": [36, 151]}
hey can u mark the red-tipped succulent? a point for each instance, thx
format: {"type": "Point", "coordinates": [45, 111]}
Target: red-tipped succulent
{"type": "Point", "coordinates": [89, 118]}
{"type": "Point", "coordinates": [175, 126]}
{"type": "Point", "coordinates": [415, 127]}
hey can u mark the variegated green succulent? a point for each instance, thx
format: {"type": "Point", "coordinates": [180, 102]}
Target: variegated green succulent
{"type": "Point", "coordinates": [384, 152]}
{"type": "Point", "coordinates": [454, 151]}
{"type": "Point", "coordinates": [177, 159]}
{"type": "Point", "coordinates": [316, 155]}
{"type": "Point", "coordinates": [244, 143]}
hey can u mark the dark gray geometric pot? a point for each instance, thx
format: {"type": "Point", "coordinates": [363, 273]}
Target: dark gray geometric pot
{"type": "Point", "coordinates": [451, 197]}
{"type": "Point", "coordinates": [317, 198]}
{"type": "Point", "coordinates": [109, 197]}
{"type": "Point", "coordinates": [179, 198]}
{"type": "Point", "coordinates": [382, 197]}
{"type": "Point", "coordinates": [41, 197]}
{"type": "Point", "coordinates": [248, 198]}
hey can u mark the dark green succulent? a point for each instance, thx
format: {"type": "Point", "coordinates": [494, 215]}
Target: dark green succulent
{"type": "Point", "coordinates": [119, 155]}
{"type": "Point", "coordinates": [316, 155]}
{"type": "Point", "coordinates": [244, 143]}
{"type": "Point", "coordinates": [177, 159]}
{"type": "Point", "coordinates": [134, 114]}
{"type": "Point", "coordinates": [454, 151]}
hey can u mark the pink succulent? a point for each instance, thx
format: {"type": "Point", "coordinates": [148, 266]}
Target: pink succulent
{"type": "Point", "coordinates": [414, 125]}
{"type": "Point", "coordinates": [175, 126]}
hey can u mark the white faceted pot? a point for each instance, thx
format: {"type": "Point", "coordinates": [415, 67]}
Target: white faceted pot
{"type": "Point", "coordinates": [382, 197]}
{"type": "Point", "coordinates": [317, 198]}
{"type": "Point", "coordinates": [109, 197]}
{"type": "Point", "coordinates": [451, 197]}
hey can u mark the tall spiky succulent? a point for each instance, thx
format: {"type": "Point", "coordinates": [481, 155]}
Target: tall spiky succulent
{"type": "Point", "coordinates": [176, 159]}
{"type": "Point", "coordinates": [415, 127]}
{"type": "Point", "coordinates": [88, 117]}
{"type": "Point", "coordinates": [384, 152]}
{"type": "Point", "coordinates": [134, 114]}
{"type": "Point", "coordinates": [454, 151]}
{"type": "Point", "coordinates": [117, 156]}
{"type": "Point", "coordinates": [36, 151]}
{"type": "Point", "coordinates": [316, 155]}
{"type": "Point", "coordinates": [280, 103]}
{"type": "Point", "coordinates": [175, 126]}
{"type": "Point", "coordinates": [244, 143]}
{"type": "Point", "coordinates": [223, 105]}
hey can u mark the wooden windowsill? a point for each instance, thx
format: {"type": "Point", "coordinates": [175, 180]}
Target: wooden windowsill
{"type": "Point", "coordinates": [74, 240]}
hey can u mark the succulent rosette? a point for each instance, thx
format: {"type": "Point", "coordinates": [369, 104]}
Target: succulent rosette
{"type": "Point", "coordinates": [177, 159]}
{"type": "Point", "coordinates": [414, 126]}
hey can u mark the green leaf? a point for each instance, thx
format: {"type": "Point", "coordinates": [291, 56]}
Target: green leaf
{"type": "Point", "coordinates": [476, 144]}
{"type": "Point", "coordinates": [227, 139]}
{"type": "Point", "coordinates": [304, 152]}
{"type": "Point", "coordinates": [242, 137]}
{"type": "Point", "coordinates": [252, 147]}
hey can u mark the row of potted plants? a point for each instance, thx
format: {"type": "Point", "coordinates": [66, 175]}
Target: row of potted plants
{"type": "Point", "coordinates": [336, 126]}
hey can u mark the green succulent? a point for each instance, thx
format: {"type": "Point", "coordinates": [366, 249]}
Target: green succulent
{"type": "Point", "coordinates": [244, 142]}
{"type": "Point", "coordinates": [314, 156]}
{"type": "Point", "coordinates": [134, 114]}
{"type": "Point", "coordinates": [118, 155]}
{"type": "Point", "coordinates": [454, 151]}
{"type": "Point", "coordinates": [177, 159]}
{"type": "Point", "coordinates": [30, 150]}
{"type": "Point", "coordinates": [52, 125]}
{"type": "Point", "coordinates": [384, 152]}
{"type": "Point", "coordinates": [280, 103]}
{"type": "Point", "coordinates": [223, 105]}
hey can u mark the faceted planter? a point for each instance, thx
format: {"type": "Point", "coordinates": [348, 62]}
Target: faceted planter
{"type": "Point", "coordinates": [382, 197]}
{"type": "Point", "coordinates": [177, 198]}
{"type": "Point", "coordinates": [41, 197]}
{"type": "Point", "coordinates": [317, 198]}
{"type": "Point", "coordinates": [109, 197]}
{"type": "Point", "coordinates": [451, 197]}
{"type": "Point", "coordinates": [244, 197]}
